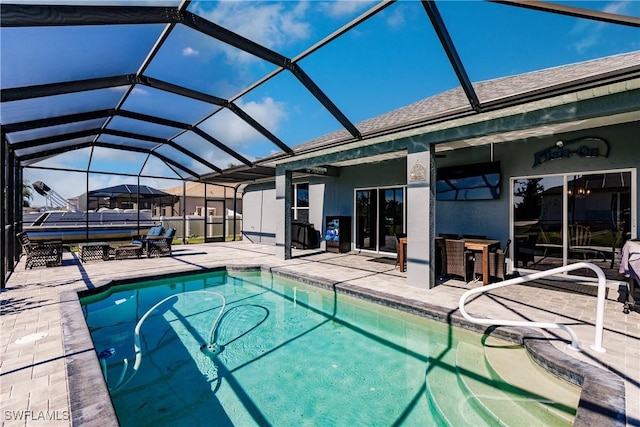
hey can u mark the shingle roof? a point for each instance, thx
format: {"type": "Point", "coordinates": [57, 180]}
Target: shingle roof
{"type": "Point", "coordinates": [454, 100]}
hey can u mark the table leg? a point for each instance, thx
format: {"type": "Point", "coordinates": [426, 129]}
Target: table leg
{"type": "Point", "coordinates": [485, 265]}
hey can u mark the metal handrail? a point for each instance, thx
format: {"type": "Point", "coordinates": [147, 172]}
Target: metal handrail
{"type": "Point", "coordinates": [602, 282]}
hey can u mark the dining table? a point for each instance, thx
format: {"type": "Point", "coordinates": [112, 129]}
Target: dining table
{"type": "Point", "coordinates": [485, 246]}
{"type": "Point", "coordinates": [402, 253]}
{"type": "Point", "coordinates": [474, 245]}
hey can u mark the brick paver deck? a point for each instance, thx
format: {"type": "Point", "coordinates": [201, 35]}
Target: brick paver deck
{"type": "Point", "coordinates": [36, 357]}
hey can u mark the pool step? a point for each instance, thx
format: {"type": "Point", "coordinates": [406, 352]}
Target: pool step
{"type": "Point", "coordinates": [509, 404]}
{"type": "Point", "coordinates": [507, 362]}
{"type": "Point", "coordinates": [450, 403]}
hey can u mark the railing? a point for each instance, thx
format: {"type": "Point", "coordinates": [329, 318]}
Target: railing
{"type": "Point", "coordinates": [602, 283]}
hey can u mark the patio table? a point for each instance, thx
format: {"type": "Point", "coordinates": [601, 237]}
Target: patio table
{"type": "Point", "coordinates": [482, 245]}
{"type": "Point", "coordinates": [94, 251]}
{"type": "Point", "coordinates": [128, 251]}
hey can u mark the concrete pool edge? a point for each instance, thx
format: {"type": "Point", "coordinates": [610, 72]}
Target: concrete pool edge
{"type": "Point", "coordinates": [602, 399]}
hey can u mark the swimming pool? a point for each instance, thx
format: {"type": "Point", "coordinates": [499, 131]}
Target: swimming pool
{"type": "Point", "coordinates": [251, 348]}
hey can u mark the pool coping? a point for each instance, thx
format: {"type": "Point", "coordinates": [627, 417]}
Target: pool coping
{"type": "Point", "coordinates": [602, 397]}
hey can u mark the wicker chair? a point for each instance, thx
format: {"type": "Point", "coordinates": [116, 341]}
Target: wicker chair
{"type": "Point", "coordinates": [161, 246]}
{"type": "Point", "coordinates": [46, 253]}
{"type": "Point", "coordinates": [497, 266]}
{"type": "Point", "coordinates": [456, 258]}
{"type": "Point", "coordinates": [526, 249]}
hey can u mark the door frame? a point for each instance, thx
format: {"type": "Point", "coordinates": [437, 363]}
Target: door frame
{"type": "Point", "coordinates": [565, 204]}
{"type": "Point", "coordinates": [212, 223]}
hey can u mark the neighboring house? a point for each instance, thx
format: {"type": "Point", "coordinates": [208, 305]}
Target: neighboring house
{"type": "Point", "coordinates": [126, 196]}
{"type": "Point", "coordinates": [439, 166]}
{"type": "Point", "coordinates": [210, 199]}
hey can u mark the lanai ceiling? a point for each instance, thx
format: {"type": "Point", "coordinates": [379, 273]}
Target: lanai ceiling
{"type": "Point", "coordinates": [190, 85]}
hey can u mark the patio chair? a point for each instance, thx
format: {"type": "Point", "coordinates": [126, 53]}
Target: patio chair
{"type": "Point", "coordinates": [47, 253]}
{"type": "Point", "coordinates": [580, 242]}
{"type": "Point", "coordinates": [161, 246]}
{"type": "Point", "coordinates": [497, 263]}
{"type": "Point", "coordinates": [153, 233]}
{"type": "Point", "coordinates": [456, 258]}
{"type": "Point", "coordinates": [526, 249]}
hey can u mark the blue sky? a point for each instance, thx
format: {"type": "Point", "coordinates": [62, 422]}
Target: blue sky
{"type": "Point", "coordinates": [391, 60]}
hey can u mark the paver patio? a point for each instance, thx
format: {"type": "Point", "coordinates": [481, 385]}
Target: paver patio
{"type": "Point", "coordinates": [35, 358]}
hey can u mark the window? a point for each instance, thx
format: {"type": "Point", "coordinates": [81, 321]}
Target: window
{"type": "Point", "coordinates": [380, 214]}
{"type": "Point", "coordinates": [300, 206]}
{"type": "Point", "coordinates": [567, 218]}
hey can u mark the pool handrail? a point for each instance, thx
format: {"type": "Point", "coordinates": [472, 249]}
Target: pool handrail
{"type": "Point", "coordinates": [602, 283]}
{"type": "Point", "coordinates": [137, 347]}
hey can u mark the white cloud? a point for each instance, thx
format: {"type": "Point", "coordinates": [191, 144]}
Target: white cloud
{"type": "Point", "coordinates": [617, 7]}
{"type": "Point", "coordinates": [591, 32]}
{"type": "Point", "coordinates": [396, 19]}
{"type": "Point", "coordinates": [235, 133]}
{"type": "Point", "coordinates": [340, 8]}
{"type": "Point", "coordinates": [189, 51]}
{"type": "Point", "coordinates": [271, 24]}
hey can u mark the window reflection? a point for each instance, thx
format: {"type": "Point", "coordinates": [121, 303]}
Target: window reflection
{"type": "Point", "coordinates": [590, 211]}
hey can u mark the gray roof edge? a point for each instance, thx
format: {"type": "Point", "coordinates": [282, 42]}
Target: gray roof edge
{"type": "Point", "coordinates": [544, 80]}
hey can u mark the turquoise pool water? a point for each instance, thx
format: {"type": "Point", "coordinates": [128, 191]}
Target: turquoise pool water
{"type": "Point", "coordinates": [248, 348]}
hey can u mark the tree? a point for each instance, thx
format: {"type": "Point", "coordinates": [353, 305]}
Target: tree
{"type": "Point", "coordinates": [529, 206]}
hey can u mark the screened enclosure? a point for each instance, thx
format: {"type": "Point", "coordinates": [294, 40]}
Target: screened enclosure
{"type": "Point", "coordinates": [97, 94]}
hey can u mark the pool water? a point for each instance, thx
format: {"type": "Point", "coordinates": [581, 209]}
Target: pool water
{"type": "Point", "coordinates": [248, 348]}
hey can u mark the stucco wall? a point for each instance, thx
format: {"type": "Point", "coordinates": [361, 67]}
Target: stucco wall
{"type": "Point", "coordinates": [335, 195]}
{"type": "Point", "coordinates": [491, 217]}
{"type": "Point", "coordinates": [258, 220]}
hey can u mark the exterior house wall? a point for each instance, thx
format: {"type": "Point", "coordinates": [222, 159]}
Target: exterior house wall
{"type": "Point", "coordinates": [491, 217]}
{"type": "Point", "coordinates": [335, 195]}
{"type": "Point", "coordinates": [259, 219]}
{"type": "Point", "coordinates": [328, 196]}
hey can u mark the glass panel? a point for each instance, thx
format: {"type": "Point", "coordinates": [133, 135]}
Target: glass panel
{"type": "Point", "coordinates": [158, 103]}
{"type": "Point", "coordinates": [282, 104]}
{"type": "Point", "coordinates": [185, 160]}
{"type": "Point", "coordinates": [215, 222]}
{"type": "Point", "coordinates": [155, 167]}
{"type": "Point", "coordinates": [197, 61]}
{"type": "Point", "coordinates": [38, 55]}
{"type": "Point", "coordinates": [598, 221]}
{"type": "Point", "coordinates": [391, 218]}
{"type": "Point", "coordinates": [236, 134]}
{"type": "Point", "coordinates": [396, 52]}
{"type": "Point", "coordinates": [53, 146]}
{"type": "Point", "coordinates": [366, 219]}
{"type": "Point", "coordinates": [33, 134]}
{"type": "Point", "coordinates": [117, 161]}
{"type": "Point", "coordinates": [538, 220]}
{"type": "Point", "coordinates": [70, 160]}
{"type": "Point", "coordinates": [166, 206]}
{"type": "Point", "coordinates": [599, 208]}
{"type": "Point", "coordinates": [64, 183]}
{"type": "Point", "coordinates": [127, 142]}
{"type": "Point", "coordinates": [512, 40]}
{"type": "Point", "coordinates": [60, 105]}
{"type": "Point", "coordinates": [285, 27]}
{"type": "Point", "coordinates": [205, 150]}
{"type": "Point", "coordinates": [126, 124]}
{"type": "Point", "coordinates": [302, 195]}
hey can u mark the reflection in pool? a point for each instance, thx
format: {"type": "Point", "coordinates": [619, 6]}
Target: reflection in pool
{"type": "Point", "coordinates": [249, 348]}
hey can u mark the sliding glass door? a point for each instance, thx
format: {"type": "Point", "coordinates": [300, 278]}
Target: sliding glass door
{"type": "Point", "coordinates": [380, 215]}
{"type": "Point", "coordinates": [562, 219]}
